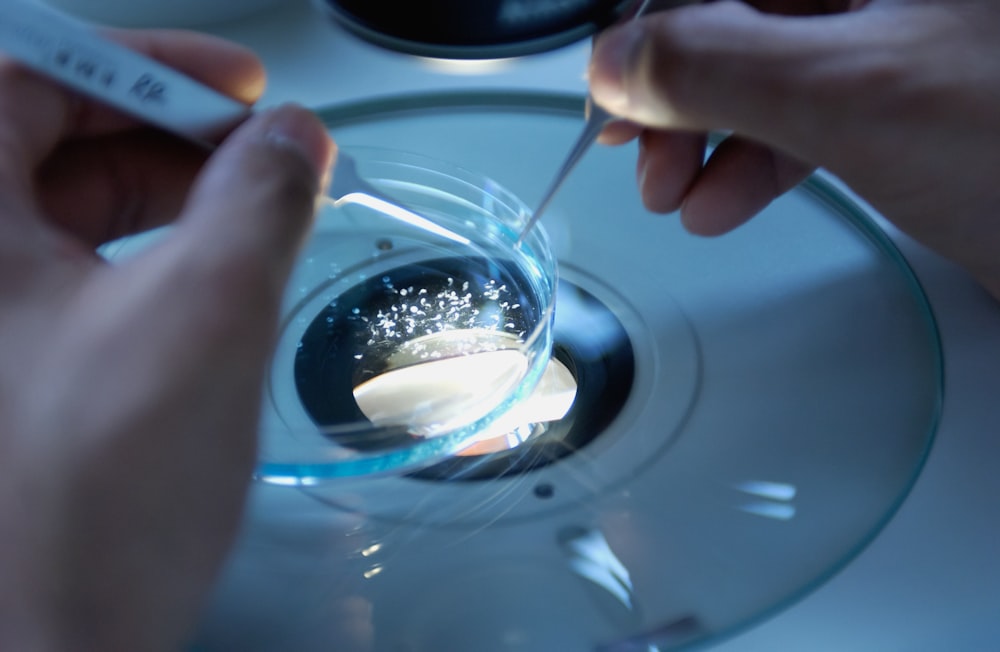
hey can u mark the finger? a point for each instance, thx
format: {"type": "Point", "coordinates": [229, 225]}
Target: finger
{"type": "Point", "coordinates": [724, 65]}
{"type": "Point", "coordinates": [207, 296]}
{"type": "Point", "coordinates": [619, 132]}
{"type": "Point", "coordinates": [739, 180]}
{"type": "Point", "coordinates": [623, 131]}
{"type": "Point", "coordinates": [223, 65]}
{"type": "Point", "coordinates": [36, 114]}
{"type": "Point", "coordinates": [98, 190]}
{"type": "Point", "coordinates": [669, 163]}
{"type": "Point", "coordinates": [252, 206]}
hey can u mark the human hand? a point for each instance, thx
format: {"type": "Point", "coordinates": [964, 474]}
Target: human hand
{"type": "Point", "coordinates": [129, 394]}
{"type": "Point", "coordinates": [899, 98]}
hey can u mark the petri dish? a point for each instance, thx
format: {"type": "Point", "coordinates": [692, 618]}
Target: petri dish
{"type": "Point", "coordinates": [413, 324]}
{"type": "Point", "coordinates": [752, 411]}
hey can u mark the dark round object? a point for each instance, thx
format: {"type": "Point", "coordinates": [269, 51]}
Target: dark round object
{"type": "Point", "coordinates": [475, 29]}
{"type": "Point", "coordinates": [544, 490]}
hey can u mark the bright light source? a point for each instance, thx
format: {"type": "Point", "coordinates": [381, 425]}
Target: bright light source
{"type": "Point", "coordinates": [552, 399]}
{"type": "Point", "coordinates": [468, 66]}
{"type": "Point", "coordinates": [443, 381]}
{"type": "Point", "coordinates": [439, 395]}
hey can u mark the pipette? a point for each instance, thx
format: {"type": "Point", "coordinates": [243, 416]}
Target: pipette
{"type": "Point", "coordinates": [76, 55]}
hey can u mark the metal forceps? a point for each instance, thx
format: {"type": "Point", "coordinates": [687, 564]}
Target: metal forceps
{"type": "Point", "coordinates": [597, 118]}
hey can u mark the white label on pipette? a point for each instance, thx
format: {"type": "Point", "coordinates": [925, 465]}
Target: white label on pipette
{"type": "Point", "coordinates": [74, 53]}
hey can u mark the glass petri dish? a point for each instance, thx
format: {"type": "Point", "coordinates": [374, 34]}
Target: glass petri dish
{"type": "Point", "coordinates": [413, 323]}
{"type": "Point", "coordinates": [777, 393]}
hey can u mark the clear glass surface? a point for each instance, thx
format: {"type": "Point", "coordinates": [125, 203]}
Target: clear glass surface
{"type": "Point", "coordinates": [780, 390]}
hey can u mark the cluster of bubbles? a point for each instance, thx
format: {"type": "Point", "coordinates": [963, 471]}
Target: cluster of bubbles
{"type": "Point", "coordinates": [417, 312]}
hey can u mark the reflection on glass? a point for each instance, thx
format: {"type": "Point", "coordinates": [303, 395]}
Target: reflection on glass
{"type": "Point", "coordinates": [438, 382]}
{"type": "Point", "coordinates": [437, 348]}
{"type": "Point", "coordinates": [777, 511]}
{"type": "Point", "coordinates": [404, 215]}
{"type": "Point", "coordinates": [776, 498]}
{"type": "Point", "coordinates": [772, 490]}
{"type": "Point", "coordinates": [550, 401]}
{"type": "Point", "coordinates": [590, 557]}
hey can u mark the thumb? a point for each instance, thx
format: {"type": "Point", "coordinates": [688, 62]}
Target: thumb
{"type": "Point", "coordinates": [725, 65]}
{"type": "Point", "coordinates": [253, 204]}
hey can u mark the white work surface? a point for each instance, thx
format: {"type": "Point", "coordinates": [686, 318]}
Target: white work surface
{"type": "Point", "coordinates": [931, 579]}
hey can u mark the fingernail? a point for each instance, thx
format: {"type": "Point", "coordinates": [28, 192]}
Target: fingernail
{"type": "Point", "coordinates": [615, 52]}
{"type": "Point", "coordinates": [297, 129]}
